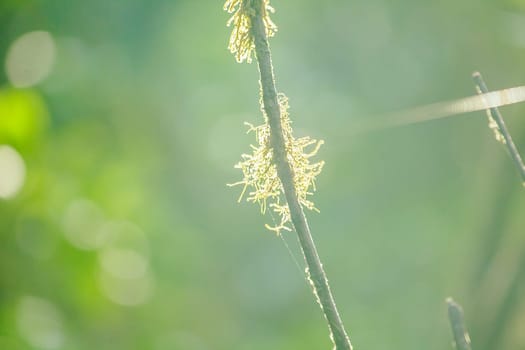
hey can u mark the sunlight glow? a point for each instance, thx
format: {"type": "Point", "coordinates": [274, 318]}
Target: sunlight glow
{"type": "Point", "coordinates": [12, 172]}
{"type": "Point", "coordinates": [30, 58]}
{"type": "Point", "coordinates": [447, 109]}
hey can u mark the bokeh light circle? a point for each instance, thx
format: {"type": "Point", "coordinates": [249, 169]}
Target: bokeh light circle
{"type": "Point", "coordinates": [83, 224]}
{"type": "Point", "coordinates": [40, 323]}
{"type": "Point", "coordinates": [30, 59]}
{"type": "Point", "coordinates": [125, 276]}
{"type": "Point", "coordinates": [12, 172]}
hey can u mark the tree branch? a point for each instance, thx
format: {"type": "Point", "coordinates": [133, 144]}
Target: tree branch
{"type": "Point", "coordinates": [502, 128]}
{"type": "Point", "coordinates": [315, 270]}
{"type": "Point", "coordinates": [455, 315]}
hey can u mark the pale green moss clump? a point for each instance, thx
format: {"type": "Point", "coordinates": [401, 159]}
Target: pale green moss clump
{"type": "Point", "coordinates": [260, 173]}
{"type": "Point", "coordinates": [241, 42]}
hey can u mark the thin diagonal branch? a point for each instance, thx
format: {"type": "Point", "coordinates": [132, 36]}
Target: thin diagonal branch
{"type": "Point", "coordinates": [502, 128]}
{"type": "Point", "coordinates": [316, 273]}
{"type": "Point", "coordinates": [455, 315]}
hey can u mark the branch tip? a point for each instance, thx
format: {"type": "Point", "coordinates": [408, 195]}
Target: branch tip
{"type": "Point", "coordinates": [457, 323]}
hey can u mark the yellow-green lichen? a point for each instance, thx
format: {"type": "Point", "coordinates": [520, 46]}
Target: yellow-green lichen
{"type": "Point", "coordinates": [242, 42]}
{"type": "Point", "coordinates": [260, 179]}
{"type": "Point", "coordinates": [495, 128]}
{"type": "Point", "coordinates": [493, 125]}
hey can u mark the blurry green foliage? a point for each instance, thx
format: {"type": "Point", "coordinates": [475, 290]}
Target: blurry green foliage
{"type": "Point", "coordinates": [24, 117]}
{"type": "Point", "coordinates": [142, 118]}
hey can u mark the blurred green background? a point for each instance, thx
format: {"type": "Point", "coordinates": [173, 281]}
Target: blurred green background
{"type": "Point", "coordinates": [120, 123]}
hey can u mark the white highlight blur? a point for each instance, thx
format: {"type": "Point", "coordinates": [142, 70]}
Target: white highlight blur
{"type": "Point", "coordinates": [40, 323]}
{"type": "Point", "coordinates": [30, 58]}
{"type": "Point", "coordinates": [447, 109]}
{"type": "Point", "coordinates": [83, 225]}
{"type": "Point", "coordinates": [12, 172]}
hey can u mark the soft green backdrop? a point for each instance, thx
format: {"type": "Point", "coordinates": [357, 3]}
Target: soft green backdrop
{"type": "Point", "coordinates": [125, 236]}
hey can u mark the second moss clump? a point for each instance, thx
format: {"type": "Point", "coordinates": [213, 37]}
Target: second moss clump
{"type": "Point", "coordinates": [260, 173]}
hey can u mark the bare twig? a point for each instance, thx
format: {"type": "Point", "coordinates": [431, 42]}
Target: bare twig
{"type": "Point", "coordinates": [316, 273]}
{"type": "Point", "coordinates": [502, 128]}
{"type": "Point", "coordinates": [455, 315]}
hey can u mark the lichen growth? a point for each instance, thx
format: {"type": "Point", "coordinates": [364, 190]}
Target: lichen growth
{"type": "Point", "coordinates": [242, 43]}
{"type": "Point", "coordinates": [495, 128]}
{"type": "Point", "coordinates": [493, 125]}
{"type": "Point", "coordinates": [260, 177]}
